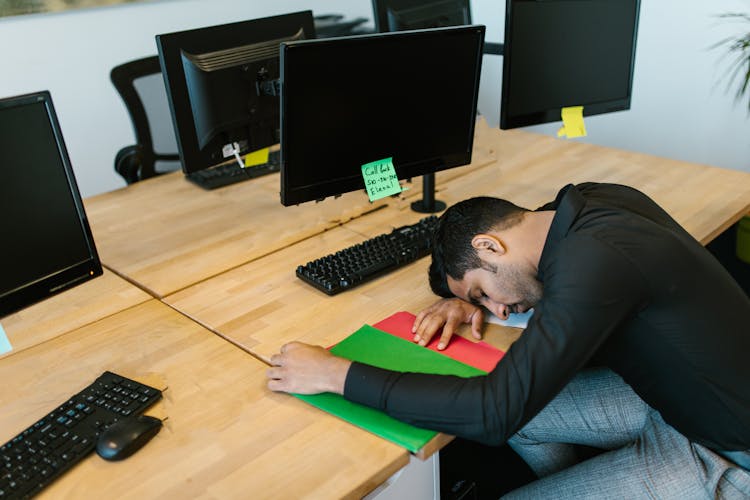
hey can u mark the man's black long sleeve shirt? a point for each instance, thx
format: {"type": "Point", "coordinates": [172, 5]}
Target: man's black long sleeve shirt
{"type": "Point", "coordinates": [624, 286]}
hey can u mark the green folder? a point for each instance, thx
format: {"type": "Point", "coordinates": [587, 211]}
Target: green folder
{"type": "Point", "coordinates": [377, 348]}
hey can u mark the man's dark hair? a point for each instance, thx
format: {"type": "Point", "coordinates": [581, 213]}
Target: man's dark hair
{"type": "Point", "coordinates": [452, 253]}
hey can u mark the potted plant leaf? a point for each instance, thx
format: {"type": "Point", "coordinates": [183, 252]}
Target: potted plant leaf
{"type": "Point", "coordinates": [738, 50]}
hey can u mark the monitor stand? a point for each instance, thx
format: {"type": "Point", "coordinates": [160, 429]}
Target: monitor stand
{"type": "Point", "coordinates": [428, 204]}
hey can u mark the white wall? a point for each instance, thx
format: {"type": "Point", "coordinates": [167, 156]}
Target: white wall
{"type": "Point", "coordinates": [71, 54]}
{"type": "Point", "coordinates": [680, 108]}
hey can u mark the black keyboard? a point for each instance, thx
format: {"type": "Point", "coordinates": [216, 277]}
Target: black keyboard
{"type": "Point", "coordinates": [34, 458]}
{"type": "Point", "coordinates": [366, 261]}
{"type": "Point", "coordinates": [230, 173]}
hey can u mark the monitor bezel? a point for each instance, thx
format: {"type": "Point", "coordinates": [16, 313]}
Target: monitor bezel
{"type": "Point", "coordinates": [380, 12]}
{"type": "Point", "coordinates": [63, 279]}
{"type": "Point", "coordinates": [205, 39]}
{"type": "Point", "coordinates": [294, 195]}
{"type": "Point", "coordinates": [553, 115]}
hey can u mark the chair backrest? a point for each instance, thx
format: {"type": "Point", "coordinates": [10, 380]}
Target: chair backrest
{"type": "Point", "coordinates": [141, 87]}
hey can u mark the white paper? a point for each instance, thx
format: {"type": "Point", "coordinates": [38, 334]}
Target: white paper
{"type": "Point", "coordinates": [4, 342]}
{"type": "Point", "coordinates": [518, 320]}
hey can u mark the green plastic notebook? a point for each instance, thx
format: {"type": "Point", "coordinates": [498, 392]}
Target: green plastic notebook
{"type": "Point", "coordinates": [377, 348]}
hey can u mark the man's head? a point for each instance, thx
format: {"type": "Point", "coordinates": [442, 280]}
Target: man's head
{"type": "Point", "coordinates": [470, 256]}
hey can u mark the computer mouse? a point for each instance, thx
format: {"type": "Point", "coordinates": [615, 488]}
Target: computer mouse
{"type": "Point", "coordinates": [126, 436]}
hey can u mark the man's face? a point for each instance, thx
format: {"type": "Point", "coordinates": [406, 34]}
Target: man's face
{"type": "Point", "coordinates": [501, 288]}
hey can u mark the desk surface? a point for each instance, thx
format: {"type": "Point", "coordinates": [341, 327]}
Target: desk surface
{"type": "Point", "coordinates": [78, 306]}
{"type": "Point", "coordinates": [262, 305]}
{"type": "Point", "coordinates": [226, 258]}
{"type": "Point", "coordinates": [226, 435]}
{"type": "Point", "coordinates": [165, 233]}
{"type": "Point", "coordinates": [531, 168]}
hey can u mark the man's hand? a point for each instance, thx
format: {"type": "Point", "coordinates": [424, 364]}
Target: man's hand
{"type": "Point", "coordinates": [306, 369]}
{"type": "Point", "coordinates": [447, 314]}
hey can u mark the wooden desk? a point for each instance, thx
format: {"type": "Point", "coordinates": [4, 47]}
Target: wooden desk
{"type": "Point", "coordinates": [531, 168]}
{"type": "Point", "coordinates": [165, 233]}
{"type": "Point", "coordinates": [226, 435]}
{"type": "Point", "coordinates": [262, 305]}
{"type": "Point", "coordinates": [236, 277]}
{"type": "Point", "coordinates": [79, 306]}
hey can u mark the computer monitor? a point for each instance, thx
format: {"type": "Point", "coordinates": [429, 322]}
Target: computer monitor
{"type": "Point", "coordinates": [47, 243]}
{"type": "Point", "coordinates": [345, 102]}
{"type": "Point", "coordinates": [401, 15]}
{"type": "Point", "coordinates": [561, 53]}
{"type": "Point", "coordinates": [222, 86]}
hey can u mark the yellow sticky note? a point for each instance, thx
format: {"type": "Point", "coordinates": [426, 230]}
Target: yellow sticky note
{"type": "Point", "coordinates": [256, 158]}
{"type": "Point", "coordinates": [380, 179]}
{"type": "Point", "coordinates": [573, 125]}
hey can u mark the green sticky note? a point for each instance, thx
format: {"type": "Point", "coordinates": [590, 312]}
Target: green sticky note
{"type": "Point", "coordinates": [375, 347]}
{"type": "Point", "coordinates": [380, 179]}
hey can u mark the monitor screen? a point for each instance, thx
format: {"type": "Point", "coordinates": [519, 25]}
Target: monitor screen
{"type": "Point", "coordinates": [401, 15]}
{"type": "Point", "coordinates": [223, 86]}
{"type": "Point", "coordinates": [47, 243]}
{"type": "Point", "coordinates": [408, 95]}
{"type": "Point", "coordinates": [561, 53]}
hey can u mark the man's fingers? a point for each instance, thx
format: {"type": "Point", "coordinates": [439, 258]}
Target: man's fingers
{"type": "Point", "coordinates": [427, 329]}
{"type": "Point", "coordinates": [275, 385]}
{"type": "Point", "coordinates": [448, 330]}
{"type": "Point", "coordinates": [418, 321]}
{"type": "Point", "coordinates": [424, 320]}
{"type": "Point", "coordinates": [290, 346]}
{"type": "Point", "coordinates": [447, 314]}
{"type": "Point", "coordinates": [445, 337]}
{"type": "Point", "coordinates": [477, 323]}
{"type": "Point", "coordinates": [419, 326]}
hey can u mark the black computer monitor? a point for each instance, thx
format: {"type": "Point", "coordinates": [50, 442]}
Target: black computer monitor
{"type": "Point", "coordinates": [561, 53]}
{"type": "Point", "coordinates": [401, 15]}
{"type": "Point", "coordinates": [47, 245]}
{"type": "Point", "coordinates": [222, 86]}
{"type": "Point", "coordinates": [409, 95]}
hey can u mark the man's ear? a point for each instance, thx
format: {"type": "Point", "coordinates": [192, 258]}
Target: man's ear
{"type": "Point", "coordinates": [488, 243]}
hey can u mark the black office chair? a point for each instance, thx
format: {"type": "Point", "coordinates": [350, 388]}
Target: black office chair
{"type": "Point", "coordinates": [140, 85]}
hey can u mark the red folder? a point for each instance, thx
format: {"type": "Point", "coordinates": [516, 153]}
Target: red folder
{"type": "Point", "coordinates": [477, 354]}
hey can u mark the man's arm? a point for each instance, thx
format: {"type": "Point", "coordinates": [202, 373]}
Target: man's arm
{"type": "Point", "coordinates": [587, 303]}
{"type": "Point", "coordinates": [452, 401]}
{"type": "Point", "coordinates": [305, 369]}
